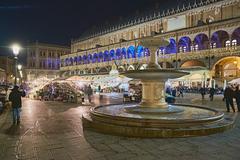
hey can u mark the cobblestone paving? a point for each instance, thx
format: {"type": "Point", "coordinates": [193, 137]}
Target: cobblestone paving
{"type": "Point", "coordinates": [53, 131]}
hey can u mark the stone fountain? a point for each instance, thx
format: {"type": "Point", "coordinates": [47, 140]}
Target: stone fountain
{"type": "Point", "coordinates": [153, 117]}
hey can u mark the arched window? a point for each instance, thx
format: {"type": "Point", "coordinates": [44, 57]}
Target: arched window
{"type": "Point", "coordinates": [227, 43]}
{"type": "Point", "coordinates": [131, 52]}
{"type": "Point", "coordinates": [234, 43]}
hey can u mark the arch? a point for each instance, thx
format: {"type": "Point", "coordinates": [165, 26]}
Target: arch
{"type": "Point", "coordinates": [236, 35]}
{"type": "Point", "coordinates": [112, 55]}
{"type": "Point", "coordinates": [192, 63]}
{"type": "Point", "coordinates": [100, 57]}
{"type": "Point", "coordinates": [95, 58]}
{"type": "Point", "coordinates": [121, 69]}
{"type": "Point", "coordinates": [85, 59]}
{"type": "Point", "coordinates": [66, 61]}
{"type": "Point", "coordinates": [146, 52]}
{"type": "Point", "coordinates": [219, 38]}
{"type": "Point", "coordinates": [124, 53]}
{"type": "Point", "coordinates": [171, 47]}
{"type": "Point", "coordinates": [103, 70]}
{"type": "Point", "coordinates": [71, 61]}
{"type": "Point", "coordinates": [118, 54]}
{"type": "Point", "coordinates": [131, 52]}
{"type": "Point", "coordinates": [79, 59]}
{"type": "Point", "coordinates": [106, 56]}
{"type": "Point", "coordinates": [201, 42]}
{"type": "Point", "coordinates": [184, 44]}
{"type": "Point", "coordinates": [140, 51]}
{"type": "Point", "coordinates": [227, 67]}
{"type": "Point", "coordinates": [89, 58]}
{"type": "Point", "coordinates": [130, 68]}
{"type": "Point", "coordinates": [75, 60]}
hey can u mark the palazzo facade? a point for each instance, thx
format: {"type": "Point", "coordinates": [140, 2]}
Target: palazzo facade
{"type": "Point", "coordinates": [205, 34]}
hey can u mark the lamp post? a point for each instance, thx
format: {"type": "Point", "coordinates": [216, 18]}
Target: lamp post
{"type": "Point", "coordinates": [16, 49]}
{"type": "Point", "coordinates": [19, 67]}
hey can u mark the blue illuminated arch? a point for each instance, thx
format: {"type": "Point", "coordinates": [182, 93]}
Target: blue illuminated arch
{"type": "Point", "coordinates": [140, 51]}
{"type": "Point", "coordinates": [131, 52]}
{"type": "Point", "coordinates": [79, 59]}
{"type": "Point", "coordinates": [219, 37]}
{"type": "Point", "coordinates": [112, 55]}
{"type": "Point", "coordinates": [118, 54]}
{"type": "Point", "coordinates": [66, 62]}
{"type": "Point", "coordinates": [202, 41]}
{"type": "Point", "coordinates": [146, 52]}
{"type": "Point", "coordinates": [236, 35]}
{"type": "Point", "coordinates": [89, 58]}
{"type": "Point", "coordinates": [95, 58]}
{"type": "Point", "coordinates": [100, 57]}
{"type": "Point", "coordinates": [71, 61]}
{"type": "Point", "coordinates": [106, 56]}
{"type": "Point", "coordinates": [171, 47]}
{"type": "Point", "coordinates": [124, 53]}
{"type": "Point", "coordinates": [185, 42]}
{"type": "Point", "coordinates": [85, 59]}
{"type": "Point", "coordinates": [75, 59]}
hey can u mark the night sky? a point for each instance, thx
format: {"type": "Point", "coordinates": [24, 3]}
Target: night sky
{"type": "Point", "coordinates": [58, 21]}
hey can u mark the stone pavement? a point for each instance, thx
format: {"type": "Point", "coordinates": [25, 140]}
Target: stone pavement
{"type": "Point", "coordinates": [53, 131]}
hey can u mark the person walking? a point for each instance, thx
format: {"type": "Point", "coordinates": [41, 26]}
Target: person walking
{"type": "Point", "coordinates": [211, 93]}
{"type": "Point", "coordinates": [89, 93]}
{"type": "Point", "coordinates": [237, 96]}
{"type": "Point", "coordinates": [202, 91]}
{"type": "Point", "coordinates": [228, 97]}
{"type": "Point", "coordinates": [15, 98]}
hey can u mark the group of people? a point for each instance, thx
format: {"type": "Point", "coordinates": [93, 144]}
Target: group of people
{"type": "Point", "coordinates": [230, 93]}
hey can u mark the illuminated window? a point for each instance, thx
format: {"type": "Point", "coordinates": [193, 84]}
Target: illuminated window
{"type": "Point", "coordinates": [184, 49]}
{"type": "Point", "coordinates": [227, 43]}
{"type": "Point", "coordinates": [213, 45]}
{"type": "Point", "coordinates": [234, 42]}
{"type": "Point", "coordinates": [180, 49]}
{"type": "Point", "coordinates": [196, 47]}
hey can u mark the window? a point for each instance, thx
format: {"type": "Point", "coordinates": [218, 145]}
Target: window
{"type": "Point", "coordinates": [213, 45]}
{"type": "Point", "coordinates": [234, 43]}
{"type": "Point", "coordinates": [180, 49]}
{"type": "Point", "coordinates": [184, 49]}
{"type": "Point", "coordinates": [196, 47]}
{"type": "Point", "coordinates": [227, 43]}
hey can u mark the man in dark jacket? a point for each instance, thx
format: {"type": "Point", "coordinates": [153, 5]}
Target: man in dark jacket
{"type": "Point", "coordinates": [15, 98]}
{"type": "Point", "coordinates": [228, 96]}
{"type": "Point", "coordinates": [211, 93]}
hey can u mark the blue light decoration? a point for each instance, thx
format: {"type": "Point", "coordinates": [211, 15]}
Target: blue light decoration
{"type": "Point", "coordinates": [146, 52]}
{"type": "Point", "coordinates": [118, 54]}
{"type": "Point", "coordinates": [71, 61]}
{"type": "Point", "coordinates": [171, 47]}
{"type": "Point", "coordinates": [95, 58]}
{"type": "Point", "coordinates": [124, 53]}
{"type": "Point", "coordinates": [85, 59]}
{"type": "Point", "coordinates": [185, 42]}
{"type": "Point", "coordinates": [131, 52]}
{"type": "Point", "coordinates": [100, 57]}
{"type": "Point", "coordinates": [112, 55]}
{"type": "Point", "coordinates": [89, 58]}
{"type": "Point", "coordinates": [75, 59]}
{"type": "Point", "coordinates": [236, 35]}
{"type": "Point", "coordinates": [79, 59]}
{"type": "Point", "coordinates": [66, 62]}
{"type": "Point", "coordinates": [202, 41]}
{"type": "Point", "coordinates": [219, 37]}
{"type": "Point", "coordinates": [140, 51]}
{"type": "Point", "coordinates": [106, 56]}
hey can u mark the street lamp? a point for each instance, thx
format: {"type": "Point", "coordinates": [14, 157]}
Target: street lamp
{"type": "Point", "coordinates": [16, 49]}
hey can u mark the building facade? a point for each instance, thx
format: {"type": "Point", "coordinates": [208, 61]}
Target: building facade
{"type": "Point", "coordinates": [7, 70]}
{"type": "Point", "coordinates": [205, 34]}
{"type": "Point", "coordinates": [43, 60]}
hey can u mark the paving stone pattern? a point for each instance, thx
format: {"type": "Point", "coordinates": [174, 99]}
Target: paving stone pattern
{"type": "Point", "coordinates": [53, 131]}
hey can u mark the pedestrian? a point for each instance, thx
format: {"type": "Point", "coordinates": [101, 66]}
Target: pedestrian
{"type": "Point", "coordinates": [89, 93]}
{"type": "Point", "coordinates": [202, 91]}
{"type": "Point", "coordinates": [228, 97]}
{"type": "Point", "coordinates": [211, 93]}
{"type": "Point", "coordinates": [237, 96]}
{"type": "Point", "coordinates": [15, 98]}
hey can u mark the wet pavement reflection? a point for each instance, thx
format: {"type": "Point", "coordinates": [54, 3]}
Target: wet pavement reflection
{"type": "Point", "coordinates": [53, 131]}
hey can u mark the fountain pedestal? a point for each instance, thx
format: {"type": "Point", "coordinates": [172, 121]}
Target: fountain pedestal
{"type": "Point", "coordinates": [153, 94]}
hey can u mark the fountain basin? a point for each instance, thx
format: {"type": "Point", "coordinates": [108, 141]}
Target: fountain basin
{"type": "Point", "coordinates": [187, 121]}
